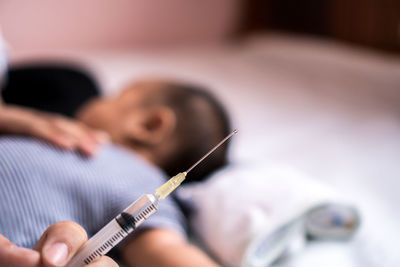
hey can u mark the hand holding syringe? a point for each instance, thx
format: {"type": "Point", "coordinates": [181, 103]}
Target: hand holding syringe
{"type": "Point", "coordinates": [127, 221]}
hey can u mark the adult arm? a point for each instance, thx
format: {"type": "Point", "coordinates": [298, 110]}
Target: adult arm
{"type": "Point", "coordinates": [161, 247]}
{"type": "Point", "coordinates": [63, 132]}
{"type": "Point", "coordinates": [55, 248]}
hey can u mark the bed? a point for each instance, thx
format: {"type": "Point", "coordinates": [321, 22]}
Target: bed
{"type": "Point", "coordinates": [323, 109]}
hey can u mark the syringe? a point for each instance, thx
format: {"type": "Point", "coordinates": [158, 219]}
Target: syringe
{"type": "Point", "coordinates": [133, 216]}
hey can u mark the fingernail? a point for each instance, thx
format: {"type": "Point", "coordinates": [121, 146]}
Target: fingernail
{"type": "Point", "coordinates": [57, 254]}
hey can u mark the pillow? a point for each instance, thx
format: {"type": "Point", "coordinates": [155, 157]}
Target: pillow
{"type": "Point", "coordinates": [240, 202]}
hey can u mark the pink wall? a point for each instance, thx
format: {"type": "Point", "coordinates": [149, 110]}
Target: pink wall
{"type": "Point", "coordinates": [98, 24]}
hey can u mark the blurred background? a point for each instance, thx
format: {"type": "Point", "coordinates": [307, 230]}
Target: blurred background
{"type": "Point", "coordinates": [312, 84]}
{"type": "Point", "coordinates": [126, 24]}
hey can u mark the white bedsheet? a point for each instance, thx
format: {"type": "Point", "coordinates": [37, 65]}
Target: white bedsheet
{"type": "Point", "coordinates": [242, 203]}
{"type": "Point", "coordinates": [325, 109]}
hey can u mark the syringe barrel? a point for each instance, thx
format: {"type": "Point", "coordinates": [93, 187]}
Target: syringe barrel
{"type": "Point", "coordinates": [115, 231]}
{"type": "Point", "coordinates": [102, 242]}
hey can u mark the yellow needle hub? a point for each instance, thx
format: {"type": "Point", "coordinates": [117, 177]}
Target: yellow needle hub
{"type": "Point", "coordinates": [170, 185]}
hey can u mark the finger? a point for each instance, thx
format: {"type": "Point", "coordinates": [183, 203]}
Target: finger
{"type": "Point", "coordinates": [90, 139]}
{"type": "Point", "coordinates": [103, 262]}
{"type": "Point", "coordinates": [86, 141]}
{"type": "Point", "coordinates": [12, 255]}
{"type": "Point", "coordinates": [60, 242]}
{"type": "Point", "coordinates": [41, 125]}
{"type": "Point", "coordinates": [65, 139]}
{"type": "Point", "coordinates": [54, 136]}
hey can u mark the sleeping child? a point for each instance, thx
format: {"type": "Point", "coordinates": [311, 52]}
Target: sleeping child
{"type": "Point", "coordinates": [155, 126]}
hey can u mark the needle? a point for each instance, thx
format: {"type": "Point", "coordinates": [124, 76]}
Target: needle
{"type": "Point", "coordinates": [212, 150]}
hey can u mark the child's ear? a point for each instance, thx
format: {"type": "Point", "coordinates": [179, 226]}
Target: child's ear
{"type": "Point", "coordinates": [151, 126]}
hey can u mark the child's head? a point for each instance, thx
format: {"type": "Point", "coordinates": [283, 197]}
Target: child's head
{"type": "Point", "coordinates": [171, 124]}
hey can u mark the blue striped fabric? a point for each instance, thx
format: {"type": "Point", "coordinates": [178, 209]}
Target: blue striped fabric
{"type": "Point", "coordinates": [41, 185]}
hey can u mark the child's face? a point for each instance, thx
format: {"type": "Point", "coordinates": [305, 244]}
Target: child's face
{"type": "Point", "coordinates": [130, 115]}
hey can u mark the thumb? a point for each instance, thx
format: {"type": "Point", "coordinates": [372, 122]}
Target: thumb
{"type": "Point", "coordinates": [60, 242]}
{"type": "Point", "coordinates": [12, 255]}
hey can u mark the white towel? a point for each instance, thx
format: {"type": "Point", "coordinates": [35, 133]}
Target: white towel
{"type": "Point", "coordinates": [242, 201]}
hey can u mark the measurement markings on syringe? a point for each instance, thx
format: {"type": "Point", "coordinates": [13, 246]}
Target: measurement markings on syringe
{"type": "Point", "coordinates": [105, 247]}
{"type": "Point", "coordinates": [145, 213]}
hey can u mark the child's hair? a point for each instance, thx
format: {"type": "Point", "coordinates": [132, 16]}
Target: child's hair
{"type": "Point", "coordinates": [201, 123]}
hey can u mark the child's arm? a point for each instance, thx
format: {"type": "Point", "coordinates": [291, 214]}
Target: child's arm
{"type": "Point", "coordinates": [160, 247]}
{"type": "Point", "coordinates": [56, 129]}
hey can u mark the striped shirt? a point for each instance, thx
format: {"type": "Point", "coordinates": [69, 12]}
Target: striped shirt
{"type": "Point", "coordinates": [41, 185]}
